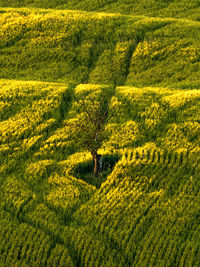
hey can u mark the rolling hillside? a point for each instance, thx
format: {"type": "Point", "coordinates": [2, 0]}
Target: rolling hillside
{"type": "Point", "coordinates": [143, 57]}
{"type": "Point", "coordinates": [152, 8]}
{"type": "Point", "coordinates": [100, 48]}
{"type": "Point", "coordinates": [146, 213]}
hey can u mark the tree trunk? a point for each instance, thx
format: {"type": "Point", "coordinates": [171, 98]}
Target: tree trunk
{"type": "Point", "coordinates": [97, 165]}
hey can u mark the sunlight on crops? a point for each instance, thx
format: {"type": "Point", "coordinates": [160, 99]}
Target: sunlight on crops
{"type": "Point", "coordinates": [139, 63]}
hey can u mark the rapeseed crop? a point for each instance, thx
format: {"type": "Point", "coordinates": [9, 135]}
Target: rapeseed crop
{"type": "Point", "coordinates": [141, 60]}
{"type": "Point", "coordinates": [152, 161]}
{"type": "Point", "coordinates": [104, 48]}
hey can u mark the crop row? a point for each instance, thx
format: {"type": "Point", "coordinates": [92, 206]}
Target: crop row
{"type": "Point", "coordinates": [23, 244]}
{"type": "Point", "coordinates": [38, 110]}
{"type": "Point", "coordinates": [147, 189]}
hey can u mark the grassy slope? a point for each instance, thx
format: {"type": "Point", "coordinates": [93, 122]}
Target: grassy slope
{"type": "Point", "coordinates": [147, 212]}
{"type": "Point", "coordinates": [99, 48]}
{"type": "Point", "coordinates": [159, 8]}
{"type": "Point", "coordinates": [72, 221]}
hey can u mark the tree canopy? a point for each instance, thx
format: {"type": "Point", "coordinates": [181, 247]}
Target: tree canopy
{"type": "Point", "coordinates": [88, 128]}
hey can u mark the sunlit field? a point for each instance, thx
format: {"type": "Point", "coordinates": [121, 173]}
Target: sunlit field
{"type": "Point", "coordinates": [81, 47]}
{"type": "Point", "coordinates": [48, 191]}
{"type": "Point", "coordinates": [141, 61]}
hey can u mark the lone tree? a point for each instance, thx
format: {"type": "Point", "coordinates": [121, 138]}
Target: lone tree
{"type": "Point", "coordinates": [88, 129]}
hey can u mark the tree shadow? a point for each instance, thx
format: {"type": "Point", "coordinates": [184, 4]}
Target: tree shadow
{"type": "Point", "coordinates": [85, 170]}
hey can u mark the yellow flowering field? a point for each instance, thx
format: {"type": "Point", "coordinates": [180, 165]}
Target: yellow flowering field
{"type": "Point", "coordinates": [111, 81]}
